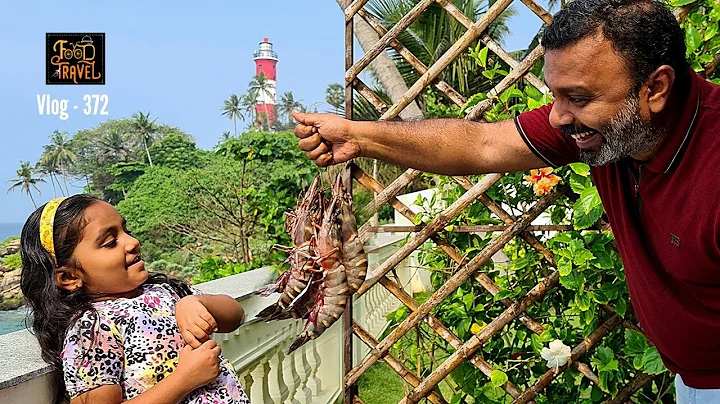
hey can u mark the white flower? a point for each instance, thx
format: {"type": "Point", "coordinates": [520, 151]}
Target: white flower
{"type": "Point", "coordinates": [557, 355]}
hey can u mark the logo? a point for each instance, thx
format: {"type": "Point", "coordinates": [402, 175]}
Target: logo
{"type": "Point", "coordinates": [674, 240]}
{"type": "Point", "coordinates": [75, 58]}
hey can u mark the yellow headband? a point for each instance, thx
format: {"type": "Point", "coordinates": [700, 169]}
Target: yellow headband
{"type": "Point", "coordinates": [47, 220]}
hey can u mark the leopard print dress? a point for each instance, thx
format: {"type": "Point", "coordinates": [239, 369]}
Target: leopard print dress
{"type": "Point", "coordinates": [135, 343]}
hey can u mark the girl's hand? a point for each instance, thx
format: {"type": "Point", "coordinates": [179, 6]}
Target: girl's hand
{"type": "Point", "coordinates": [198, 367]}
{"type": "Point", "coordinates": [194, 320]}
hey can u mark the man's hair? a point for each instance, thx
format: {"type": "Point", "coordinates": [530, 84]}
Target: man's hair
{"type": "Point", "coordinates": [644, 32]}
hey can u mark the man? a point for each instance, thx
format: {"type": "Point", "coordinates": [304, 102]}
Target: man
{"type": "Point", "coordinates": [627, 103]}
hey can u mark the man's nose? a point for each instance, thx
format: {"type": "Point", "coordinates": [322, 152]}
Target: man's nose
{"type": "Point", "coordinates": [560, 116]}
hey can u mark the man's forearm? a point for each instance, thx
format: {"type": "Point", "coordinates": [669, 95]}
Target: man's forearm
{"type": "Point", "coordinates": [228, 313]}
{"type": "Point", "coordinates": [428, 145]}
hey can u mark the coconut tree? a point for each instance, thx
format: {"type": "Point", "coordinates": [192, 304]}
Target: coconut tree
{"type": "Point", "coordinates": [263, 88]}
{"type": "Point", "coordinates": [233, 110]}
{"type": "Point", "coordinates": [144, 131]}
{"type": "Point", "coordinates": [287, 104]}
{"type": "Point", "coordinates": [45, 167]}
{"type": "Point", "coordinates": [58, 155]}
{"type": "Point", "coordinates": [112, 147]}
{"type": "Point", "coordinates": [248, 103]}
{"type": "Point", "coordinates": [26, 181]}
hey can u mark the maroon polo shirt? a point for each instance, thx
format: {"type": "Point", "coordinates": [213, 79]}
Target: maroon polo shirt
{"type": "Point", "coordinates": [667, 231]}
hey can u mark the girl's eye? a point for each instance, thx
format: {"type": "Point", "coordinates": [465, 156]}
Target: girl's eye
{"type": "Point", "coordinates": [111, 244]}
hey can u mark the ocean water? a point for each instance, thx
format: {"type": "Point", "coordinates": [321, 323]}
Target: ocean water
{"type": "Point", "coordinates": [11, 320]}
{"type": "Point", "coordinates": [9, 230]}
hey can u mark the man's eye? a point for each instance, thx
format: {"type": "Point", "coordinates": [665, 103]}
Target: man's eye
{"type": "Point", "coordinates": [111, 244]}
{"type": "Point", "coordinates": [575, 100]}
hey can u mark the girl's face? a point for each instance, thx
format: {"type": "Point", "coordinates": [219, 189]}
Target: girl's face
{"type": "Point", "coordinates": [108, 255]}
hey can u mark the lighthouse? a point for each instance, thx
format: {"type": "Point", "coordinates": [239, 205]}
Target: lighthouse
{"type": "Point", "coordinates": [265, 61]}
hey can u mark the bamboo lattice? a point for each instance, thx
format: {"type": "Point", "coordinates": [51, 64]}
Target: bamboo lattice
{"type": "Point", "coordinates": [513, 227]}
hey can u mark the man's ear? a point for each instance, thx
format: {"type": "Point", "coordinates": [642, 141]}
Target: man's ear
{"type": "Point", "coordinates": [657, 88]}
{"type": "Point", "coordinates": [69, 279]}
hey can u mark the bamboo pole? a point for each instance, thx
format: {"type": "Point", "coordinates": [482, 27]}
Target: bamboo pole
{"type": "Point", "coordinates": [455, 50]}
{"type": "Point", "coordinates": [353, 8]}
{"type": "Point", "coordinates": [469, 229]}
{"type": "Point", "coordinates": [352, 72]}
{"type": "Point", "coordinates": [351, 390]}
{"type": "Point", "coordinates": [476, 341]}
{"type": "Point", "coordinates": [433, 227]}
{"type": "Point", "coordinates": [390, 191]}
{"type": "Point", "coordinates": [627, 391]}
{"type": "Point", "coordinates": [377, 102]}
{"type": "Point", "coordinates": [403, 371]}
{"type": "Point", "coordinates": [539, 11]}
{"type": "Point", "coordinates": [453, 283]}
{"type": "Point", "coordinates": [577, 352]}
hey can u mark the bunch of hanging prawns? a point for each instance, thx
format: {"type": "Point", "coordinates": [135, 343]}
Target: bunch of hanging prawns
{"type": "Point", "coordinates": [327, 260]}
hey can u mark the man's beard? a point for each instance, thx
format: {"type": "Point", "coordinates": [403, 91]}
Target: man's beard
{"type": "Point", "coordinates": [625, 135]}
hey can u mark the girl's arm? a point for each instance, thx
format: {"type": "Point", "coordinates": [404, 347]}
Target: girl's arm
{"type": "Point", "coordinates": [227, 312]}
{"type": "Point", "coordinates": [198, 316]}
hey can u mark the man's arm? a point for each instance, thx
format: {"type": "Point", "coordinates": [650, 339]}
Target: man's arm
{"type": "Point", "coordinates": [443, 146]}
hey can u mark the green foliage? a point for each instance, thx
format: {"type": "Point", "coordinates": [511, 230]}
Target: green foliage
{"type": "Point", "coordinates": [210, 268]}
{"type": "Point", "coordinates": [176, 152]}
{"type": "Point", "coordinates": [701, 35]}
{"type": "Point", "coordinates": [8, 240]}
{"type": "Point", "coordinates": [12, 261]}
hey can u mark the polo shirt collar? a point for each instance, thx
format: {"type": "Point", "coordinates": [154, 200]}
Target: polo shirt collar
{"type": "Point", "coordinates": [679, 131]}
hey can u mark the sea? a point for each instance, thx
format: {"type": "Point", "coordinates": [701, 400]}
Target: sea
{"type": "Point", "coordinates": [11, 320]}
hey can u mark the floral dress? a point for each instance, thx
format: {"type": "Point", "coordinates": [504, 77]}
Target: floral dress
{"type": "Point", "coordinates": [135, 343]}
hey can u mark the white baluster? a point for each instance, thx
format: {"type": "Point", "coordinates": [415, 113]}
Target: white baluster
{"type": "Point", "coordinates": [291, 378]}
{"type": "Point", "coordinates": [258, 387]}
{"type": "Point", "coordinates": [314, 383]}
{"type": "Point", "coordinates": [276, 385]}
{"type": "Point", "coordinates": [303, 394]}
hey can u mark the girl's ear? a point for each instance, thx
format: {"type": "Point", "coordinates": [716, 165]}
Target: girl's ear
{"type": "Point", "coordinates": [69, 279]}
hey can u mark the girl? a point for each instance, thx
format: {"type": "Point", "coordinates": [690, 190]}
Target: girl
{"type": "Point", "coordinates": [117, 333]}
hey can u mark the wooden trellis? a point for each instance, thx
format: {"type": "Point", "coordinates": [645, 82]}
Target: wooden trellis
{"type": "Point", "coordinates": [514, 226]}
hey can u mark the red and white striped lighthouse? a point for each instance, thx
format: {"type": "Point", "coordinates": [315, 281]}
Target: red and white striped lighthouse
{"type": "Point", "coordinates": [265, 61]}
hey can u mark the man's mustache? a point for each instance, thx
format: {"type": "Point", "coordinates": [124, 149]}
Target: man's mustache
{"type": "Point", "coordinates": [569, 130]}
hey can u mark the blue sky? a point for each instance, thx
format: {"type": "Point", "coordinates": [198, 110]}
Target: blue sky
{"type": "Point", "coordinates": [177, 59]}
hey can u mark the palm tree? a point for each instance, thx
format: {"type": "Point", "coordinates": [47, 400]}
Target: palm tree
{"type": "Point", "coordinates": [248, 103]}
{"type": "Point", "coordinates": [58, 155]}
{"type": "Point", "coordinates": [263, 88]}
{"type": "Point", "coordinates": [112, 147]}
{"type": "Point", "coordinates": [232, 110]}
{"type": "Point", "coordinates": [45, 167]}
{"type": "Point", "coordinates": [435, 32]}
{"type": "Point", "coordinates": [145, 130]}
{"type": "Point", "coordinates": [288, 104]}
{"type": "Point", "coordinates": [26, 181]}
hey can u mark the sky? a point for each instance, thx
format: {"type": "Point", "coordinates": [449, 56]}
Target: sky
{"type": "Point", "coordinates": [178, 59]}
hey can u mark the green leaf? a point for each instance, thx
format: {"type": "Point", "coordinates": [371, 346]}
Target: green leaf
{"type": "Point", "coordinates": [621, 307]}
{"type": "Point", "coordinates": [573, 281]}
{"type": "Point", "coordinates": [493, 393]}
{"type": "Point", "coordinates": [498, 378]}
{"type": "Point", "coordinates": [589, 199]}
{"type": "Point", "coordinates": [583, 301]}
{"type": "Point", "coordinates": [580, 168]}
{"type": "Point", "coordinates": [490, 74]}
{"type": "Point", "coordinates": [605, 358]}
{"type": "Point", "coordinates": [603, 260]}
{"type": "Point", "coordinates": [653, 362]}
{"type": "Point", "coordinates": [532, 104]}
{"type": "Point", "coordinates": [584, 220]}
{"type": "Point", "coordinates": [596, 394]}
{"type": "Point", "coordinates": [678, 3]}
{"type": "Point", "coordinates": [638, 362]}
{"type": "Point", "coordinates": [635, 343]}
{"type": "Point", "coordinates": [468, 299]}
{"type": "Point", "coordinates": [564, 266]}
{"type": "Point", "coordinates": [711, 31]}
{"type": "Point", "coordinates": [476, 98]}
{"type": "Point", "coordinates": [548, 335]}
{"type": "Point", "coordinates": [693, 38]}
{"type": "Point", "coordinates": [578, 183]}
{"type": "Point", "coordinates": [600, 296]}
{"type": "Point", "coordinates": [482, 57]}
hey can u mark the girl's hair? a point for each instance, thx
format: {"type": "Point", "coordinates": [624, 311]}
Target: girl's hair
{"type": "Point", "coordinates": [54, 309]}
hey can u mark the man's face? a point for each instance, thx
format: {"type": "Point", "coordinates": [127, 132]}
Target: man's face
{"type": "Point", "coordinates": [596, 103]}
